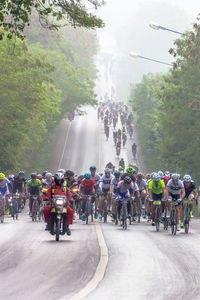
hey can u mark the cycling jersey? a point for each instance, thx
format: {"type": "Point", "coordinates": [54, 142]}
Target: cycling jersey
{"type": "Point", "coordinates": [142, 185]}
{"type": "Point", "coordinates": [105, 182]}
{"type": "Point", "coordinates": [123, 191]}
{"type": "Point", "coordinates": [4, 190]}
{"type": "Point", "coordinates": [96, 178]}
{"type": "Point", "coordinates": [175, 189]}
{"type": "Point", "coordinates": [88, 185]}
{"type": "Point", "coordinates": [189, 189]}
{"type": "Point", "coordinates": [34, 187]}
{"type": "Point", "coordinates": [114, 183]}
{"type": "Point", "coordinates": [157, 189]}
{"type": "Point", "coordinates": [18, 184]}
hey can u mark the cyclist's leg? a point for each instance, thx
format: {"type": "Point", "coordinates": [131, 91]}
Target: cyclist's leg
{"type": "Point", "coordinates": [191, 198]}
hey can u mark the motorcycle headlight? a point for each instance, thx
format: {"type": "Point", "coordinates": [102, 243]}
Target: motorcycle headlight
{"type": "Point", "coordinates": [59, 202]}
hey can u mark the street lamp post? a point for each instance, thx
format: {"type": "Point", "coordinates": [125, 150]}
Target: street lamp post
{"type": "Point", "coordinates": [135, 55]}
{"type": "Point", "coordinates": [157, 26]}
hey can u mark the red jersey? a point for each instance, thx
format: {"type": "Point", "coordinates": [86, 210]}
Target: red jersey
{"type": "Point", "coordinates": [88, 185]}
{"type": "Point", "coordinates": [59, 191]}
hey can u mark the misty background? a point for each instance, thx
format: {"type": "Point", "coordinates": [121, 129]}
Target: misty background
{"type": "Point", "coordinates": [127, 29]}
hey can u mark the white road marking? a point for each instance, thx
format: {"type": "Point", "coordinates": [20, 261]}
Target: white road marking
{"type": "Point", "coordinates": [64, 148]}
{"type": "Point", "coordinates": [101, 268]}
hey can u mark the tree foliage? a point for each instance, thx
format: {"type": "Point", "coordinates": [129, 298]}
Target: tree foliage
{"type": "Point", "coordinates": [176, 112]}
{"type": "Point", "coordinates": [15, 15]}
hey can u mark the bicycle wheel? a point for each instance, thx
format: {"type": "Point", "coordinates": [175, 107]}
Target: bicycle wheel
{"type": "Point", "coordinates": [157, 214]}
{"type": "Point", "coordinates": [139, 210]}
{"type": "Point", "coordinates": [86, 213]}
{"type": "Point", "coordinates": [105, 212]}
{"type": "Point", "coordinates": [186, 225]}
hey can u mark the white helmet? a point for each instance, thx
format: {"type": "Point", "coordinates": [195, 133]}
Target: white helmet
{"type": "Point", "coordinates": [161, 174]}
{"type": "Point", "coordinates": [175, 176]}
{"type": "Point", "coordinates": [156, 177]}
{"type": "Point", "coordinates": [187, 178]}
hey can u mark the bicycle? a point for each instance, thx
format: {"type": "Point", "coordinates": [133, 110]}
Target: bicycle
{"type": "Point", "coordinates": [2, 208]}
{"type": "Point", "coordinates": [157, 204]}
{"type": "Point", "coordinates": [187, 216]}
{"type": "Point", "coordinates": [173, 217]}
{"type": "Point", "coordinates": [35, 208]}
{"type": "Point", "coordinates": [89, 209]}
{"type": "Point", "coordinates": [124, 213]}
{"type": "Point", "coordinates": [14, 206]}
{"type": "Point", "coordinates": [165, 219]}
{"type": "Point", "coordinates": [104, 211]}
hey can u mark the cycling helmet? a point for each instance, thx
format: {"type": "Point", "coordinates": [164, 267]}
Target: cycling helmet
{"type": "Point", "coordinates": [39, 176]}
{"type": "Point", "coordinates": [166, 179]}
{"type": "Point", "coordinates": [44, 173]}
{"type": "Point", "coordinates": [120, 168]}
{"type": "Point", "coordinates": [140, 175]}
{"type": "Point", "coordinates": [11, 177]}
{"type": "Point", "coordinates": [117, 174]}
{"type": "Point", "coordinates": [61, 171]}
{"type": "Point", "coordinates": [48, 175]}
{"type": "Point", "coordinates": [127, 180]}
{"type": "Point", "coordinates": [161, 174]}
{"type": "Point", "coordinates": [69, 173]}
{"type": "Point", "coordinates": [107, 170]}
{"type": "Point", "coordinates": [148, 176]}
{"type": "Point", "coordinates": [93, 169]}
{"type": "Point", "coordinates": [34, 175]}
{"type": "Point", "coordinates": [167, 173]}
{"type": "Point", "coordinates": [175, 176]}
{"type": "Point", "coordinates": [156, 177]}
{"type": "Point", "coordinates": [87, 175]}
{"type": "Point", "coordinates": [187, 178]}
{"type": "Point", "coordinates": [21, 173]}
{"type": "Point", "coordinates": [129, 170]}
{"type": "Point", "coordinates": [2, 176]}
{"type": "Point", "coordinates": [134, 165]}
{"type": "Point", "coordinates": [59, 178]}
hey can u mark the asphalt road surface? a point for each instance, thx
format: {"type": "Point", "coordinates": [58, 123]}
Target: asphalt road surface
{"type": "Point", "coordinates": [142, 264]}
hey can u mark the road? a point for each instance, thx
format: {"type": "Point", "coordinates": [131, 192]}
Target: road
{"type": "Point", "coordinates": [142, 263]}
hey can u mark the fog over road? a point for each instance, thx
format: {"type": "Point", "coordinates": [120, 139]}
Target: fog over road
{"type": "Point", "coordinates": [142, 263]}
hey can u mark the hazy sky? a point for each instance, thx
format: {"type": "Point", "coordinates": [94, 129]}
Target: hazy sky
{"type": "Point", "coordinates": [127, 29]}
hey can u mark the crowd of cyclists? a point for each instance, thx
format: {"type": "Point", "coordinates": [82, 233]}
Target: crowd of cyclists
{"type": "Point", "coordinates": [121, 192]}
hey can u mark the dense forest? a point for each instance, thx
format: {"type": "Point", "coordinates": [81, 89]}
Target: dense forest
{"type": "Point", "coordinates": [167, 110]}
{"type": "Point", "coordinates": [43, 77]}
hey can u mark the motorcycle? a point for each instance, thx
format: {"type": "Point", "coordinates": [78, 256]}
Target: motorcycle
{"type": "Point", "coordinates": [58, 217]}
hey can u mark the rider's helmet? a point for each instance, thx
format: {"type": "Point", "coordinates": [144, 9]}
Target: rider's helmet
{"type": "Point", "coordinates": [120, 168]}
{"type": "Point", "coordinates": [61, 171]}
{"type": "Point", "coordinates": [59, 178]}
{"type": "Point", "coordinates": [117, 174]}
{"type": "Point", "coordinates": [11, 177]}
{"type": "Point", "coordinates": [48, 175]}
{"type": "Point", "coordinates": [161, 174]}
{"type": "Point", "coordinates": [166, 179]}
{"type": "Point", "coordinates": [21, 173]}
{"type": "Point", "coordinates": [156, 177]}
{"type": "Point", "coordinates": [175, 176]}
{"type": "Point", "coordinates": [129, 170]}
{"type": "Point", "coordinates": [87, 175]}
{"type": "Point", "coordinates": [69, 173]}
{"type": "Point", "coordinates": [187, 178]}
{"type": "Point", "coordinates": [2, 176]}
{"type": "Point", "coordinates": [44, 173]}
{"type": "Point", "coordinates": [93, 169]}
{"type": "Point", "coordinates": [140, 176]}
{"type": "Point", "coordinates": [148, 176]}
{"type": "Point", "coordinates": [167, 173]}
{"type": "Point", "coordinates": [39, 176]}
{"type": "Point", "coordinates": [127, 180]}
{"type": "Point", "coordinates": [34, 175]}
{"type": "Point", "coordinates": [107, 171]}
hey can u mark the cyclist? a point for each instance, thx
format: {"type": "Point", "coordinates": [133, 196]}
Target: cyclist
{"type": "Point", "coordinates": [95, 176]}
{"type": "Point", "coordinates": [87, 187]}
{"type": "Point", "coordinates": [113, 192]}
{"type": "Point", "coordinates": [134, 149]}
{"type": "Point", "coordinates": [115, 135]}
{"type": "Point", "coordinates": [4, 189]}
{"type": "Point", "coordinates": [19, 185]}
{"type": "Point", "coordinates": [136, 168]}
{"type": "Point", "coordinates": [105, 182]}
{"type": "Point", "coordinates": [191, 193]}
{"type": "Point", "coordinates": [34, 188]}
{"type": "Point", "coordinates": [119, 134]}
{"type": "Point", "coordinates": [125, 189]}
{"type": "Point", "coordinates": [48, 180]}
{"type": "Point", "coordinates": [143, 188]}
{"type": "Point", "coordinates": [156, 190]}
{"type": "Point", "coordinates": [122, 164]}
{"type": "Point", "coordinates": [69, 178]}
{"type": "Point", "coordinates": [176, 191]}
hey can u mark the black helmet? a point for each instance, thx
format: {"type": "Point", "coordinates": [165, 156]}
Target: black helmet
{"type": "Point", "coordinates": [21, 173]}
{"type": "Point", "coordinates": [127, 180]}
{"type": "Point", "coordinates": [34, 175]}
{"type": "Point", "coordinates": [44, 173]}
{"type": "Point", "coordinates": [69, 173]}
{"type": "Point", "coordinates": [59, 178]}
{"type": "Point", "coordinates": [93, 168]}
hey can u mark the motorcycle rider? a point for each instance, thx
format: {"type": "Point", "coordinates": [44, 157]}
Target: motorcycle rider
{"type": "Point", "coordinates": [58, 189]}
